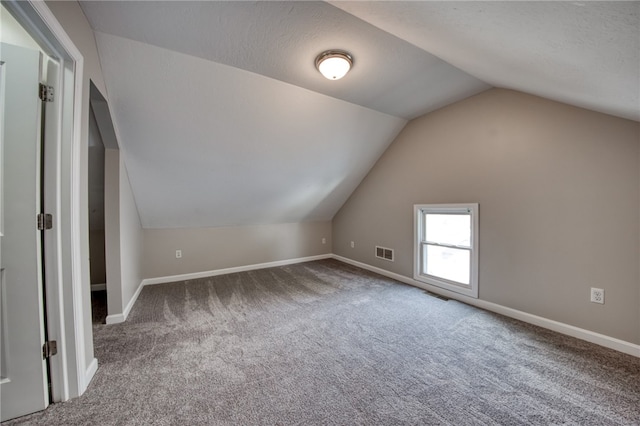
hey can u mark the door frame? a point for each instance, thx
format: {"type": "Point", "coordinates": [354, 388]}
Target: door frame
{"type": "Point", "coordinates": [67, 299]}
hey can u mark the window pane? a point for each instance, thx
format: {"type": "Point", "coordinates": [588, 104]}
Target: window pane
{"type": "Point", "coordinates": [451, 229]}
{"type": "Point", "coordinates": [448, 263]}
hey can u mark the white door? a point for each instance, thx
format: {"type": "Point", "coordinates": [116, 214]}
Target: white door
{"type": "Point", "coordinates": [24, 381]}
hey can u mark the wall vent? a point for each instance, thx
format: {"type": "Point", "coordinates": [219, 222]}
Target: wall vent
{"type": "Point", "coordinates": [384, 253]}
{"type": "Point", "coordinates": [437, 296]}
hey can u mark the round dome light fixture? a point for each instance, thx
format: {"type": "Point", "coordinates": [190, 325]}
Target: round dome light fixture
{"type": "Point", "coordinates": [334, 64]}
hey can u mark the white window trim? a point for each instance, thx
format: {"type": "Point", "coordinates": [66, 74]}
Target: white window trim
{"type": "Point", "coordinates": [470, 290]}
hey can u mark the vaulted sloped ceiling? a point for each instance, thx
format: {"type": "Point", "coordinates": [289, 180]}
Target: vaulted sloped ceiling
{"type": "Point", "coordinates": [207, 144]}
{"type": "Point", "coordinates": [584, 53]}
{"type": "Point", "coordinates": [223, 119]}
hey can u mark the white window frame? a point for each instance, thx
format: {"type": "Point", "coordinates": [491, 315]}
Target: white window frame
{"type": "Point", "coordinates": [420, 211]}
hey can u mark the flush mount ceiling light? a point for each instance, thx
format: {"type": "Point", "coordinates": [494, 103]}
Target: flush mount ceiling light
{"type": "Point", "coordinates": [334, 64]}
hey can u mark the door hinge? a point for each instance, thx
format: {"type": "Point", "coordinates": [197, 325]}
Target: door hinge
{"type": "Point", "coordinates": [45, 221]}
{"type": "Point", "coordinates": [49, 349]}
{"type": "Point", "coordinates": [46, 93]}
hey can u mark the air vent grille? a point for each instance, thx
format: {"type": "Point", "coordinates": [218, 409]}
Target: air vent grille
{"type": "Point", "coordinates": [384, 253]}
{"type": "Point", "coordinates": [437, 296]}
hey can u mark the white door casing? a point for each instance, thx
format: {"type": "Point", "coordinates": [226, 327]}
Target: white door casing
{"type": "Point", "coordinates": [51, 183]}
{"type": "Point", "coordinates": [24, 382]}
{"type": "Point", "coordinates": [72, 369]}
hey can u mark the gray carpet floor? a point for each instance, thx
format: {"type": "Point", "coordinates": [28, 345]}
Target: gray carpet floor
{"type": "Point", "coordinates": [325, 343]}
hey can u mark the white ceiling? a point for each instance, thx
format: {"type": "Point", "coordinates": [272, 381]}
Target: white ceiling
{"type": "Point", "coordinates": [223, 119]}
{"type": "Point", "coordinates": [282, 39]}
{"type": "Point", "coordinates": [584, 53]}
{"type": "Point", "coordinates": [207, 144]}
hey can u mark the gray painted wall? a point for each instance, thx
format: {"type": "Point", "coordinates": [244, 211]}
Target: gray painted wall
{"type": "Point", "coordinates": [96, 203]}
{"type": "Point", "coordinates": [96, 251]}
{"type": "Point", "coordinates": [124, 235]}
{"type": "Point", "coordinates": [112, 221]}
{"type": "Point", "coordinates": [559, 195]}
{"type": "Point", "coordinates": [206, 249]}
{"type": "Point", "coordinates": [131, 239]}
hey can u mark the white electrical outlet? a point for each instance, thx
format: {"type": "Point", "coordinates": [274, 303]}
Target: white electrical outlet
{"type": "Point", "coordinates": [178, 254]}
{"type": "Point", "coordinates": [353, 244]}
{"type": "Point", "coordinates": [324, 241]}
{"type": "Point", "coordinates": [597, 295]}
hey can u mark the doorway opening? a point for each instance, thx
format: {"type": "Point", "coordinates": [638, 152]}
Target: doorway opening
{"type": "Point", "coordinates": [97, 259]}
{"type": "Point", "coordinates": [104, 211]}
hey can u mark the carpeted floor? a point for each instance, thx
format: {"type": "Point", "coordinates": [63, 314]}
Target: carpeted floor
{"type": "Point", "coordinates": [325, 343]}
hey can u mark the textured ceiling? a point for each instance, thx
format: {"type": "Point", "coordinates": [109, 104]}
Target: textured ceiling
{"type": "Point", "coordinates": [207, 144]}
{"type": "Point", "coordinates": [584, 53]}
{"type": "Point", "coordinates": [223, 119]}
{"type": "Point", "coordinates": [282, 39]}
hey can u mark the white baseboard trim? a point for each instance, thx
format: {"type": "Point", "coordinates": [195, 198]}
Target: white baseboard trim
{"type": "Point", "coordinates": [114, 319]}
{"type": "Point", "coordinates": [215, 272]}
{"type": "Point", "coordinates": [98, 287]}
{"type": "Point", "coordinates": [118, 318]}
{"type": "Point", "coordinates": [89, 373]}
{"type": "Point", "coordinates": [569, 330]}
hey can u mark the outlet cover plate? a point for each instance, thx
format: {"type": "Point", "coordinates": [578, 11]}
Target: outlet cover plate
{"type": "Point", "coordinates": [597, 295]}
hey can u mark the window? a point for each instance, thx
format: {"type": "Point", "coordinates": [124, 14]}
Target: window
{"type": "Point", "coordinates": [446, 246]}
